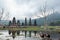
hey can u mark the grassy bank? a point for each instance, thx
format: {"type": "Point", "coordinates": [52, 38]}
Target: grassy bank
{"type": "Point", "coordinates": [34, 28]}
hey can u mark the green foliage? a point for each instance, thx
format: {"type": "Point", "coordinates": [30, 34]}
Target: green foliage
{"type": "Point", "coordinates": [22, 24]}
{"type": "Point", "coordinates": [57, 23]}
{"type": "Point", "coordinates": [18, 23]}
{"type": "Point", "coordinates": [25, 21]}
{"type": "Point", "coordinates": [30, 22]}
{"type": "Point", "coordinates": [35, 23]}
{"type": "Point", "coordinates": [9, 23]}
{"type": "Point", "coordinates": [14, 20]}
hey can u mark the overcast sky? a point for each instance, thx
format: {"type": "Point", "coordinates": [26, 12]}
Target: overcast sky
{"type": "Point", "coordinates": [27, 8]}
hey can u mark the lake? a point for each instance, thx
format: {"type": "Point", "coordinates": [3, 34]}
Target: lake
{"type": "Point", "coordinates": [5, 36]}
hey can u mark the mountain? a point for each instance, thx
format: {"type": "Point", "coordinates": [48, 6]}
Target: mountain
{"type": "Point", "coordinates": [4, 22]}
{"type": "Point", "coordinates": [40, 21]}
{"type": "Point", "coordinates": [50, 18]}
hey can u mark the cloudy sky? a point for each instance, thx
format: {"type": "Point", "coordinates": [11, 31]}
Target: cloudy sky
{"type": "Point", "coordinates": [28, 8]}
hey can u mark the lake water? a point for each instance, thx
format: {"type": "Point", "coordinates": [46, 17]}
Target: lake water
{"type": "Point", "coordinates": [5, 36]}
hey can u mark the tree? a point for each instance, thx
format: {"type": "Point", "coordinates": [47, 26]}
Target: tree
{"type": "Point", "coordinates": [9, 23]}
{"type": "Point", "coordinates": [18, 23]}
{"type": "Point", "coordinates": [6, 17]}
{"type": "Point", "coordinates": [45, 12]}
{"type": "Point", "coordinates": [35, 24]}
{"type": "Point", "coordinates": [52, 24]}
{"type": "Point", "coordinates": [14, 21]}
{"type": "Point", "coordinates": [1, 14]}
{"type": "Point", "coordinates": [22, 24]}
{"type": "Point", "coordinates": [25, 21]}
{"type": "Point", "coordinates": [30, 22]}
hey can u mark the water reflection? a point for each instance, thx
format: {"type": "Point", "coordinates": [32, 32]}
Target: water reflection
{"type": "Point", "coordinates": [6, 36]}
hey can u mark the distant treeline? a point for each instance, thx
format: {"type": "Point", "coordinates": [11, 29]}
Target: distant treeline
{"type": "Point", "coordinates": [25, 23]}
{"type": "Point", "coordinates": [57, 23]}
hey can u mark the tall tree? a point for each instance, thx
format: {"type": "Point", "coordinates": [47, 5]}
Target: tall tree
{"type": "Point", "coordinates": [9, 23]}
{"type": "Point", "coordinates": [18, 23]}
{"type": "Point", "coordinates": [22, 24]}
{"type": "Point", "coordinates": [25, 21]}
{"type": "Point", "coordinates": [35, 23]}
{"type": "Point", "coordinates": [14, 21]}
{"type": "Point", "coordinates": [1, 14]}
{"type": "Point", "coordinates": [44, 12]}
{"type": "Point", "coordinates": [30, 22]}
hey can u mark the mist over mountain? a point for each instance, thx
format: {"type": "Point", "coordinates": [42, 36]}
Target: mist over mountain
{"type": "Point", "coordinates": [40, 21]}
{"type": "Point", "coordinates": [50, 18]}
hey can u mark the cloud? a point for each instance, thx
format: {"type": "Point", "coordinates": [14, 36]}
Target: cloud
{"type": "Point", "coordinates": [27, 8]}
